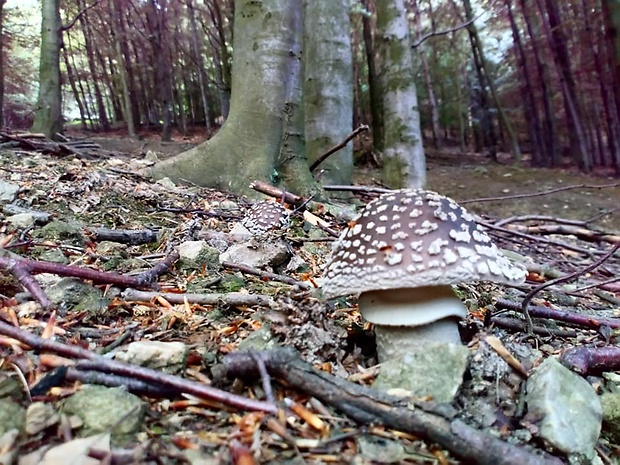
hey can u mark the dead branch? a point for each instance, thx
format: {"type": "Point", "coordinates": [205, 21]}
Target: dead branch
{"type": "Point", "coordinates": [551, 219]}
{"type": "Point", "coordinates": [233, 299]}
{"type": "Point", "coordinates": [267, 274]}
{"type": "Point", "coordinates": [516, 325]}
{"type": "Point", "coordinates": [94, 362]}
{"type": "Point", "coordinates": [563, 279]}
{"type": "Point", "coordinates": [369, 406]}
{"type": "Point", "coordinates": [123, 236]}
{"type": "Point", "coordinates": [542, 193]}
{"type": "Point", "coordinates": [582, 233]}
{"type": "Point", "coordinates": [341, 145]}
{"type": "Point", "coordinates": [444, 32]}
{"type": "Point", "coordinates": [591, 360]}
{"type": "Point", "coordinates": [277, 193]}
{"type": "Point", "coordinates": [364, 189]}
{"type": "Point", "coordinates": [578, 319]}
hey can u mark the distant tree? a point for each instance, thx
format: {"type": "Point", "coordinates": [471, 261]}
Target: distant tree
{"type": "Point", "coordinates": [48, 115]}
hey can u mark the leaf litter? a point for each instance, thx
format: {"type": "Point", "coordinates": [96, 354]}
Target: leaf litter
{"type": "Point", "coordinates": [282, 421]}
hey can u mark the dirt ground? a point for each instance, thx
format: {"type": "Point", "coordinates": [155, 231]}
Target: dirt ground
{"type": "Point", "coordinates": [330, 335]}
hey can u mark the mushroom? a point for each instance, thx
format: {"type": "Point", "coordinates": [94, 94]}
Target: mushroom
{"type": "Point", "coordinates": [401, 254]}
{"type": "Point", "coordinates": [265, 217]}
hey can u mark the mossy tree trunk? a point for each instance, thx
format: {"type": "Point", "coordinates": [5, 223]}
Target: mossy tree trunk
{"type": "Point", "coordinates": [48, 115]}
{"type": "Point", "coordinates": [404, 164]}
{"type": "Point", "coordinates": [328, 86]}
{"type": "Point", "coordinates": [248, 145]}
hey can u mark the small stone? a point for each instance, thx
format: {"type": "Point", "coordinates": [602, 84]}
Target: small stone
{"type": "Point", "coordinates": [107, 409]}
{"type": "Point", "coordinates": [12, 416]}
{"type": "Point", "coordinates": [167, 356]}
{"type": "Point", "coordinates": [198, 255]}
{"type": "Point", "coordinates": [257, 254]}
{"type": "Point", "coordinates": [8, 191]}
{"type": "Point", "coordinates": [566, 409]}
{"type": "Point", "coordinates": [40, 416]}
{"type": "Point", "coordinates": [76, 451]}
{"type": "Point", "coordinates": [380, 450]}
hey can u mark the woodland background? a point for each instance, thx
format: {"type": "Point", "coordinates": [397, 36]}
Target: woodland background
{"type": "Point", "coordinates": [538, 77]}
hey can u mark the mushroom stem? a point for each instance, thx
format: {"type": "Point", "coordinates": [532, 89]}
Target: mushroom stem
{"type": "Point", "coordinates": [396, 341]}
{"type": "Point", "coordinates": [406, 319]}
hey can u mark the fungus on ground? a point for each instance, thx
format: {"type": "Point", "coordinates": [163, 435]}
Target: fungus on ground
{"type": "Point", "coordinates": [265, 217]}
{"type": "Point", "coordinates": [401, 254]}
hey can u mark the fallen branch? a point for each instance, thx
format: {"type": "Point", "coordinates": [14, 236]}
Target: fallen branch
{"type": "Point", "coordinates": [267, 275]}
{"type": "Point", "coordinates": [123, 236]}
{"type": "Point", "coordinates": [591, 360]}
{"type": "Point", "coordinates": [565, 229]}
{"type": "Point", "coordinates": [369, 406]}
{"type": "Point", "coordinates": [94, 362]}
{"type": "Point", "coordinates": [539, 194]}
{"type": "Point", "coordinates": [315, 164]}
{"type": "Point", "coordinates": [277, 193]}
{"type": "Point", "coordinates": [233, 299]}
{"type": "Point", "coordinates": [564, 279]}
{"type": "Point", "coordinates": [578, 319]}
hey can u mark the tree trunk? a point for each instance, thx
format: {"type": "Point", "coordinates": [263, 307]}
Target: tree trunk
{"type": "Point", "coordinates": [328, 104]}
{"type": "Point", "coordinates": [550, 136]}
{"type": "Point", "coordinates": [197, 56]}
{"type": "Point", "coordinates": [48, 115]}
{"type": "Point", "coordinates": [428, 81]}
{"type": "Point", "coordinates": [527, 91]}
{"type": "Point", "coordinates": [404, 164]}
{"type": "Point", "coordinates": [552, 28]}
{"type": "Point", "coordinates": [248, 145]}
{"type": "Point", "coordinates": [611, 17]}
{"type": "Point", "coordinates": [376, 103]}
{"type": "Point", "coordinates": [483, 69]}
{"type": "Point", "coordinates": [127, 109]}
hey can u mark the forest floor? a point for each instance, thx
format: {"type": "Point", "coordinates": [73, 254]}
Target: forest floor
{"type": "Point", "coordinates": [230, 309]}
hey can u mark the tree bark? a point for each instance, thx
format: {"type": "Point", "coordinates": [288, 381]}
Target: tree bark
{"type": "Point", "coordinates": [2, 73]}
{"type": "Point", "coordinates": [376, 103]}
{"type": "Point", "coordinates": [328, 104]}
{"type": "Point", "coordinates": [127, 101]}
{"type": "Point", "coordinates": [248, 145]}
{"type": "Point", "coordinates": [404, 164]}
{"type": "Point", "coordinates": [48, 115]}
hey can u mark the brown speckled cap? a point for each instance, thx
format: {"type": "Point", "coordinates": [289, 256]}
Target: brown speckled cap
{"type": "Point", "coordinates": [265, 216]}
{"type": "Point", "coordinates": [414, 238]}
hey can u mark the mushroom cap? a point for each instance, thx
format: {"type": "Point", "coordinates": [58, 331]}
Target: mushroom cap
{"type": "Point", "coordinates": [414, 238]}
{"type": "Point", "coordinates": [265, 216]}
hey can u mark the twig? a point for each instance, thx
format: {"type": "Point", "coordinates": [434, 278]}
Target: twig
{"type": "Point", "coordinates": [98, 363]}
{"type": "Point", "coordinates": [592, 360]}
{"type": "Point", "coordinates": [538, 194]}
{"type": "Point", "coordinates": [370, 406]}
{"type": "Point", "coordinates": [314, 165]}
{"type": "Point", "coordinates": [276, 192]}
{"type": "Point", "coordinates": [579, 319]}
{"type": "Point", "coordinates": [599, 284]}
{"type": "Point", "coordinates": [521, 218]}
{"type": "Point", "coordinates": [234, 299]}
{"type": "Point", "coordinates": [444, 32]}
{"type": "Point", "coordinates": [151, 275]}
{"type": "Point", "coordinates": [266, 274]}
{"type": "Point", "coordinates": [565, 229]}
{"type": "Point", "coordinates": [368, 189]}
{"type": "Point", "coordinates": [516, 325]}
{"type": "Point", "coordinates": [563, 279]}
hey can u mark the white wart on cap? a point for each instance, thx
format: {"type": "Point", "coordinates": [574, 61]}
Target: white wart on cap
{"type": "Point", "coordinates": [264, 217]}
{"type": "Point", "coordinates": [413, 239]}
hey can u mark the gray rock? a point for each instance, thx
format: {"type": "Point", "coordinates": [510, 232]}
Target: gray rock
{"type": "Point", "coordinates": [437, 372]}
{"type": "Point", "coordinates": [40, 416]}
{"type": "Point", "coordinates": [228, 205]}
{"type": "Point", "coordinates": [63, 232]}
{"type": "Point", "coordinates": [76, 451]}
{"type": "Point", "coordinates": [73, 294]}
{"type": "Point", "coordinates": [566, 408]}
{"type": "Point", "coordinates": [12, 416]}
{"type": "Point", "coordinates": [24, 220]}
{"type": "Point", "coordinates": [261, 339]}
{"type": "Point", "coordinates": [167, 356]}
{"type": "Point", "coordinates": [54, 256]}
{"type": "Point", "coordinates": [610, 401]}
{"type": "Point", "coordinates": [8, 191]}
{"type": "Point", "coordinates": [380, 450]}
{"type": "Point", "coordinates": [7, 443]}
{"type": "Point", "coordinates": [106, 409]}
{"type": "Point", "coordinates": [196, 255]}
{"type": "Point", "coordinates": [257, 253]}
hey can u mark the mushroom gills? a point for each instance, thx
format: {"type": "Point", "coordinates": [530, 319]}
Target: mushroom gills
{"type": "Point", "coordinates": [410, 320]}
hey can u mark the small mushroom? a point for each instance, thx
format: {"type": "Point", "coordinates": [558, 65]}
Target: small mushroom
{"type": "Point", "coordinates": [401, 255]}
{"type": "Point", "coordinates": [265, 217]}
